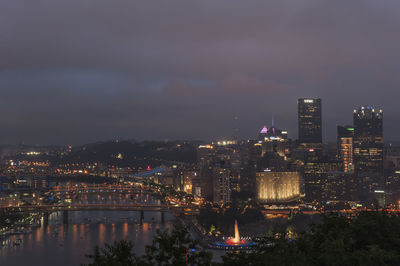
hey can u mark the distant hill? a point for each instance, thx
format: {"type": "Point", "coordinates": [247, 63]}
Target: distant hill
{"type": "Point", "coordinates": [127, 153]}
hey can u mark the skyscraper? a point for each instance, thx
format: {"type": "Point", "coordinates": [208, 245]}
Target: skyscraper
{"type": "Point", "coordinates": [205, 163]}
{"type": "Point", "coordinates": [368, 146]}
{"type": "Point", "coordinates": [221, 184]}
{"type": "Point", "coordinates": [345, 136]}
{"type": "Point", "coordinates": [310, 120]}
{"type": "Point", "coordinates": [216, 165]}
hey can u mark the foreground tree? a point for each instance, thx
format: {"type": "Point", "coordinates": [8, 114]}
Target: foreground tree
{"type": "Point", "coordinates": [373, 238]}
{"type": "Point", "coordinates": [175, 247]}
{"type": "Point", "coordinates": [120, 253]}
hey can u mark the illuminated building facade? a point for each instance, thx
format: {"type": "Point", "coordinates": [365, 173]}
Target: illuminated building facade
{"type": "Point", "coordinates": [368, 147]}
{"type": "Point", "coordinates": [189, 179]}
{"type": "Point", "coordinates": [277, 187]}
{"type": "Point", "coordinates": [310, 120]}
{"type": "Point", "coordinates": [263, 133]}
{"type": "Point", "coordinates": [345, 147]}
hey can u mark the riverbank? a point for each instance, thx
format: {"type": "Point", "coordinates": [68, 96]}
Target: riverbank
{"type": "Point", "coordinates": [20, 226]}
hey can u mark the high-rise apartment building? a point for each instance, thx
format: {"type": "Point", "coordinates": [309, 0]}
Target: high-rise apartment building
{"type": "Point", "coordinates": [310, 120]}
{"type": "Point", "coordinates": [205, 163]}
{"type": "Point", "coordinates": [217, 165]}
{"type": "Point", "coordinates": [221, 184]}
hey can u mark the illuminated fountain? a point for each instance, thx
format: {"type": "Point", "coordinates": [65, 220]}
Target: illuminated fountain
{"type": "Point", "coordinates": [236, 241]}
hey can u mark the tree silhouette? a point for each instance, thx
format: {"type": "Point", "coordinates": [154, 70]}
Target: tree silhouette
{"type": "Point", "coordinates": [371, 238]}
{"type": "Point", "coordinates": [120, 253]}
{"type": "Point", "coordinates": [175, 247]}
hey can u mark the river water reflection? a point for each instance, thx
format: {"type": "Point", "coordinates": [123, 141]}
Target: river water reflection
{"type": "Point", "coordinates": [59, 244]}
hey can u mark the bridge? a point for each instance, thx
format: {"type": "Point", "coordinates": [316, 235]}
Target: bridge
{"type": "Point", "coordinates": [85, 207]}
{"type": "Point", "coordinates": [102, 188]}
{"type": "Point", "coordinates": [99, 188]}
{"type": "Point", "coordinates": [65, 208]}
{"type": "Point", "coordinates": [100, 207]}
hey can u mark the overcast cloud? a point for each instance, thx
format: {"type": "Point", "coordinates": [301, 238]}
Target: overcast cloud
{"type": "Point", "coordinates": [74, 71]}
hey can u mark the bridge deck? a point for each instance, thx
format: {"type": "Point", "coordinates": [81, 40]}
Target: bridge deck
{"type": "Point", "coordinates": [98, 207]}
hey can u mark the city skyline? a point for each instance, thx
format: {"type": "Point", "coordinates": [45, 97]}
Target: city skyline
{"type": "Point", "coordinates": [153, 132]}
{"type": "Point", "coordinates": [140, 70]}
{"type": "Point", "coordinates": [290, 134]}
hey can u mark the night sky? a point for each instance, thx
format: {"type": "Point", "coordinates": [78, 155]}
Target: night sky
{"type": "Point", "coordinates": [78, 71]}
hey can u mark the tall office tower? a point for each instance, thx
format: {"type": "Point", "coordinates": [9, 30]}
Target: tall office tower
{"type": "Point", "coordinates": [345, 136]}
{"type": "Point", "coordinates": [368, 147]}
{"type": "Point", "coordinates": [310, 120]}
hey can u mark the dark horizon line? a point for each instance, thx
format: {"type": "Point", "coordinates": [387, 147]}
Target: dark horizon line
{"type": "Point", "coordinates": [2, 145]}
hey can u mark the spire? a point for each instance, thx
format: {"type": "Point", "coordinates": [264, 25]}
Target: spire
{"type": "Point", "coordinates": [273, 126]}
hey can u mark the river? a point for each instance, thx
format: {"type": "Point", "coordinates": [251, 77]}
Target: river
{"type": "Point", "coordinates": [59, 244]}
